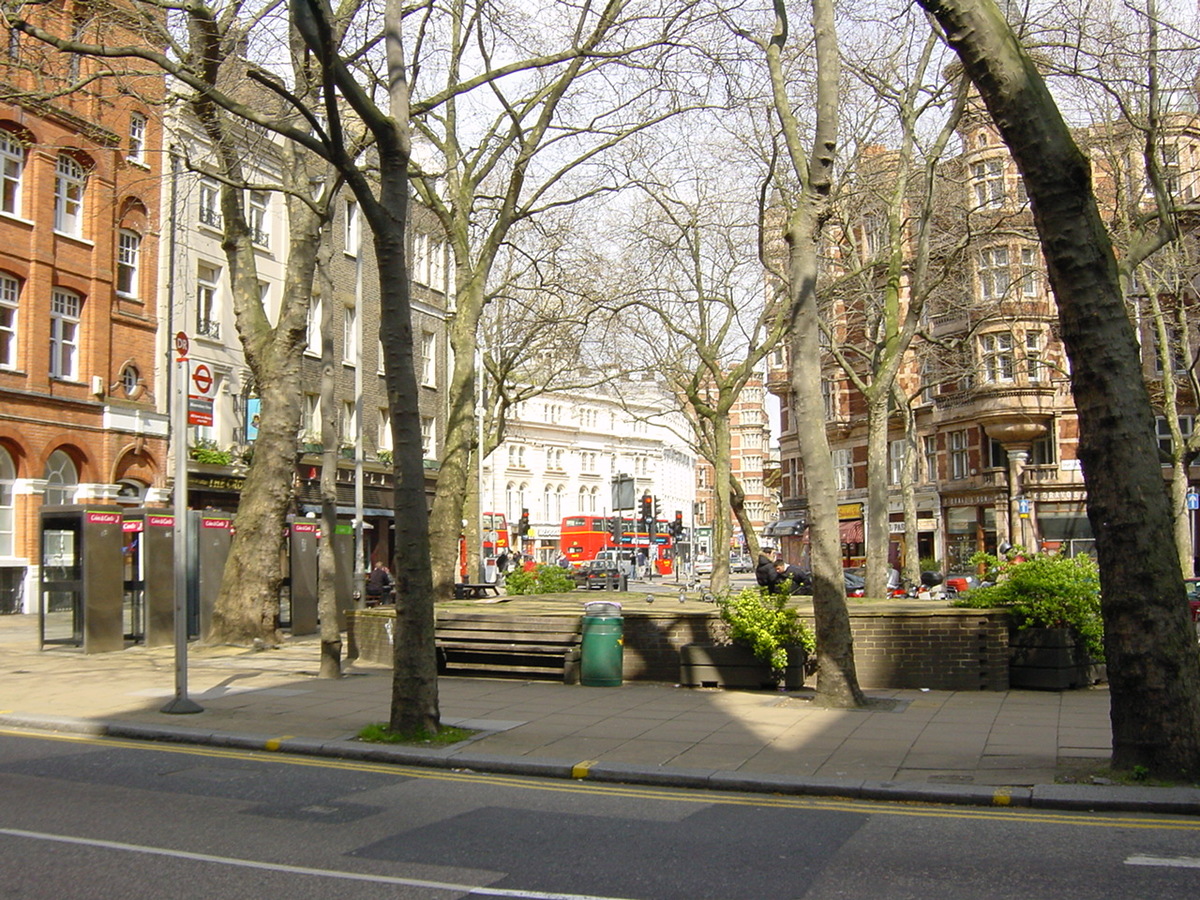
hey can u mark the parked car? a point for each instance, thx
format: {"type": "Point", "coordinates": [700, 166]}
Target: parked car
{"type": "Point", "coordinates": [703, 565]}
{"type": "Point", "coordinates": [1193, 595]}
{"type": "Point", "coordinates": [740, 563]}
{"type": "Point", "coordinates": [598, 574]}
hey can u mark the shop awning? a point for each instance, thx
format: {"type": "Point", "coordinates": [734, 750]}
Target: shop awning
{"type": "Point", "coordinates": [851, 532]}
{"type": "Point", "coordinates": [784, 527]}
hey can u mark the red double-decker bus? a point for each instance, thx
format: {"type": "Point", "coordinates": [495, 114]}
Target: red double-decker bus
{"type": "Point", "coordinates": [494, 540]}
{"type": "Point", "coordinates": [584, 536]}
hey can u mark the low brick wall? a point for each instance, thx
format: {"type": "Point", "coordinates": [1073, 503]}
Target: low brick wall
{"type": "Point", "coordinates": [939, 648]}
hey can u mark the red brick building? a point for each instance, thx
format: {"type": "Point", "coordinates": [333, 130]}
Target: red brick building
{"type": "Point", "coordinates": [80, 166]}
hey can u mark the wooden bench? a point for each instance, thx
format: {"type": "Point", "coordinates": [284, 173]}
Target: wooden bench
{"type": "Point", "coordinates": [545, 647]}
{"type": "Point", "coordinates": [475, 591]}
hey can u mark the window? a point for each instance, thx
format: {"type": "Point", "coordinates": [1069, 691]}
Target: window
{"type": "Point", "coordinates": [843, 470]}
{"type": "Point", "coordinates": [257, 209]}
{"type": "Point", "coordinates": [420, 259]}
{"type": "Point", "coordinates": [62, 479]}
{"type": "Point", "coordinates": [428, 437]}
{"type": "Point", "coordinates": [210, 203]}
{"type": "Point", "coordinates": [993, 271]}
{"type": "Point", "coordinates": [314, 326]}
{"type": "Point", "coordinates": [429, 359]}
{"type": "Point", "coordinates": [896, 453]}
{"type": "Point", "coordinates": [10, 297]}
{"type": "Point", "coordinates": [931, 467]}
{"type": "Point", "coordinates": [516, 456]}
{"type": "Point", "coordinates": [383, 438]}
{"type": "Point", "coordinates": [131, 381]}
{"type": "Point", "coordinates": [1163, 431]}
{"type": "Point", "coordinates": [1042, 452]}
{"type": "Point", "coordinates": [310, 425]}
{"type": "Point", "coordinates": [829, 398]}
{"type": "Point", "coordinates": [1035, 367]}
{"type": "Point", "coordinates": [208, 286]}
{"type": "Point", "coordinates": [350, 335]}
{"type": "Point", "coordinates": [65, 308]}
{"type": "Point", "coordinates": [997, 357]}
{"type": "Point", "coordinates": [959, 459]}
{"type": "Point", "coordinates": [129, 244]}
{"type": "Point", "coordinates": [1031, 273]}
{"type": "Point", "coordinates": [69, 181]}
{"type": "Point", "coordinates": [987, 180]}
{"type": "Point", "coordinates": [1178, 360]}
{"type": "Point", "coordinates": [137, 138]}
{"type": "Point", "coordinates": [8, 477]}
{"type": "Point", "coordinates": [349, 422]}
{"type": "Point", "coordinates": [352, 228]}
{"type": "Point", "coordinates": [12, 167]}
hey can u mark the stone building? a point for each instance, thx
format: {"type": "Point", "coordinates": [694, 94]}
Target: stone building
{"type": "Point", "coordinates": [995, 424]}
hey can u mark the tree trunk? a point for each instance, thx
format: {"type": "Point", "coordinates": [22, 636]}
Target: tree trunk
{"type": "Point", "coordinates": [722, 473]}
{"type": "Point", "coordinates": [1153, 668]}
{"type": "Point", "coordinates": [461, 436]}
{"type": "Point", "coordinates": [331, 635]}
{"type": "Point", "coordinates": [875, 526]}
{"type": "Point", "coordinates": [837, 681]}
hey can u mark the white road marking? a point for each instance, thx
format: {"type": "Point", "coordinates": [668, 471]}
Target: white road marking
{"type": "Point", "coordinates": [1179, 862]}
{"type": "Point", "coordinates": [471, 890]}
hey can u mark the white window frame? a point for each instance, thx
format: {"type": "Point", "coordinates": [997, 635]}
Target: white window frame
{"type": "Point", "coordinates": [10, 310]}
{"type": "Point", "coordinates": [129, 245]}
{"type": "Point", "coordinates": [997, 359]}
{"type": "Point", "coordinates": [66, 309]}
{"type": "Point", "coordinates": [208, 297]}
{"type": "Point", "coordinates": [896, 452]}
{"type": "Point", "coordinates": [137, 138]}
{"type": "Point", "coordinates": [960, 458]}
{"type": "Point", "coordinates": [428, 437]}
{"type": "Point", "coordinates": [383, 439]}
{"type": "Point", "coordinates": [352, 227]}
{"type": "Point", "coordinates": [429, 359]}
{"type": "Point", "coordinates": [258, 204]}
{"type": "Point", "coordinates": [994, 275]}
{"type": "Point", "coordinates": [209, 203]}
{"type": "Point", "coordinates": [70, 184]}
{"type": "Point", "coordinates": [987, 179]}
{"type": "Point", "coordinates": [313, 330]}
{"type": "Point", "coordinates": [349, 336]}
{"type": "Point", "coordinates": [843, 469]}
{"type": "Point", "coordinates": [12, 172]}
{"type": "Point", "coordinates": [8, 479]}
{"type": "Point", "coordinates": [349, 422]}
{"type": "Point", "coordinates": [929, 446]}
{"type": "Point", "coordinates": [1035, 365]}
{"type": "Point", "coordinates": [1031, 272]}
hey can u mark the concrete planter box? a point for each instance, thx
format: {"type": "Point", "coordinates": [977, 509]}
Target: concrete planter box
{"type": "Point", "coordinates": [735, 666]}
{"type": "Point", "coordinates": [1053, 659]}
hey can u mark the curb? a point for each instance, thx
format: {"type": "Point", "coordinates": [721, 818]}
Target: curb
{"type": "Point", "coordinates": [1062, 797]}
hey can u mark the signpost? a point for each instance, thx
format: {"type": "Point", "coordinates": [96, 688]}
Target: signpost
{"type": "Point", "coordinates": [180, 419]}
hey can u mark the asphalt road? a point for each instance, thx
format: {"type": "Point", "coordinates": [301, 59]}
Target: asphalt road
{"type": "Point", "coordinates": [90, 818]}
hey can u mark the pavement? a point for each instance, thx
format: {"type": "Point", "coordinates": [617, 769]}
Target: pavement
{"type": "Point", "coordinates": [1013, 748]}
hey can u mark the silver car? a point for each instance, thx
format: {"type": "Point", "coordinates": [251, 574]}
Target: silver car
{"type": "Point", "coordinates": [703, 565]}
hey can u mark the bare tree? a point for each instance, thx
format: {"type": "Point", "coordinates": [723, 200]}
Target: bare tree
{"type": "Point", "coordinates": [1153, 669]}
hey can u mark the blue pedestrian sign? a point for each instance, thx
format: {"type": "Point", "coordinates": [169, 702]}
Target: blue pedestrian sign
{"type": "Point", "coordinates": [1023, 506]}
{"type": "Point", "coordinates": [1193, 500]}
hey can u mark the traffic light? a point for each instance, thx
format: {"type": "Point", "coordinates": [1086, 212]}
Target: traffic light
{"type": "Point", "coordinates": [523, 523]}
{"type": "Point", "coordinates": [677, 528]}
{"type": "Point", "coordinates": [654, 514]}
{"type": "Point", "coordinates": [616, 528]}
{"type": "Point", "coordinates": [647, 508]}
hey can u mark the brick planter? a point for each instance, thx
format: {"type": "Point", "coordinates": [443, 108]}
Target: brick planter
{"type": "Point", "coordinates": [735, 666]}
{"type": "Point", "coordinates": [1052, 659]}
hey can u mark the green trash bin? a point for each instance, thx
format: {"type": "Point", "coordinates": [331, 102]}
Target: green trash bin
{"type": "Point", "coordinates": [600, 656]}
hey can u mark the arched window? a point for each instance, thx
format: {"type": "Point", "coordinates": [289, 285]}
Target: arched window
{"type": "Point", "coordinates": [8, 475]}
{"type": "Point", "coordinates": [62, 478]}
{"type": "Point", "coordinates": [129, 245]}
{"type": "Point", "coordinates": [12, 170]}
{"type": "Point", "coordinates": [69, 182]}
{"type": "Point", "coordinates": [131, 492]}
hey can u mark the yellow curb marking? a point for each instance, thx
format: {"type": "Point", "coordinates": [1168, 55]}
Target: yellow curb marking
{"type": "Point", "coordinates": [583, 768]}
{"type": "Point", "coordinates": [276, 743]}
{"type": "Point", "coordinates": [1002, 797]}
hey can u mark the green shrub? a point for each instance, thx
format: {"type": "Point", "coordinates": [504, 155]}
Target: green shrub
{"type": "Point", "coordinates": [929, 564]}
{"type": "Point", "coordinates": [542, 580]}
{"type": "Point", "coordinates": [205, 451]}
{"type": "Point", "coordinates": [763, 622]}
{"type": "Point", "coordinates": [1048, 592]}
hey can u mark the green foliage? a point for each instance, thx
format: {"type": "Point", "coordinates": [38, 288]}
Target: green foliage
{"type": "Point", "coordinates": [1047, 592]}
{"type": "Point", "coordinates": [929, 564]}
{"type": "Point", "coordinates": [765, 623]}
{"type": "Point", "coordinates": [379, 733]}
{"type": "Point", "coordinates": [205, 451]}
{"type": "Point", "coordinates": [542, 580]}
